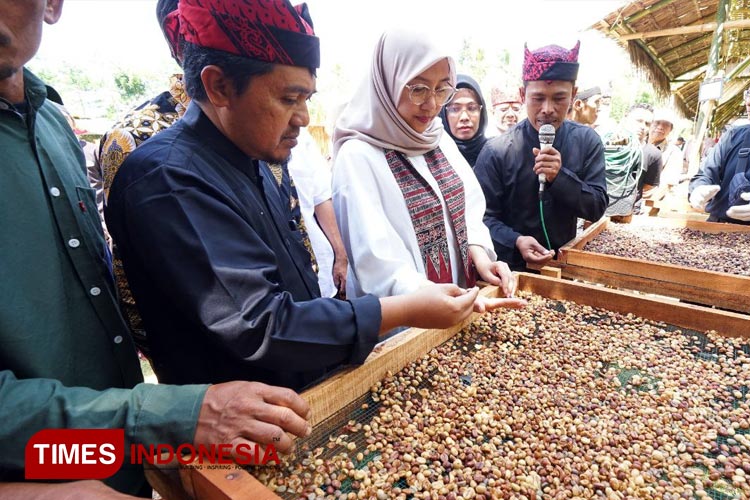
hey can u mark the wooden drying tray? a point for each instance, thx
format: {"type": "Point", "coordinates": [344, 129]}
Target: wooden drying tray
{"type": "Point", "coordinates": [343, 388]}
{"type": "Point", "coordinates": [724, 290]}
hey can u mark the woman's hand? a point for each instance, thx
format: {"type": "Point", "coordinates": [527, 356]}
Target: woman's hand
{"type": "Point", "coordinates": [495, 273]}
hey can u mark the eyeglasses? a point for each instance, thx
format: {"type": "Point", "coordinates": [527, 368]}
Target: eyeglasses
{"type": "Point", "coordinates": [472, 109]}
{"type": "Point", "coordinates": [505, 106]}
{"type": "Point", "coordinates": [419, 93]}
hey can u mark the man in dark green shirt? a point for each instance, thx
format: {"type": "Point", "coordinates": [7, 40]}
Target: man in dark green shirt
{"type": "Point", "coordinates": [66, 356]}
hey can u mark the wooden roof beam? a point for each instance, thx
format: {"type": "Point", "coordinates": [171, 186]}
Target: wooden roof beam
{"type": "Point", "coordinates": [665, 55]}
{"type": "Point", "coordinates": [683, 30]}
{"type": "Point", "coordinates": [647, 11]}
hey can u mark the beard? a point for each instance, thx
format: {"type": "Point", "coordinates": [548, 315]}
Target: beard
{"type": "Point", "coordinates": [6, 71]}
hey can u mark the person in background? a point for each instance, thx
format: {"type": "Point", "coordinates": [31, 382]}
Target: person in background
{"type": "Point", "coordinates": [585, 107]}
{"type": "Point", "coordinates": [408, 205]}
{"type": "Point", "coordinates": [311, 176]}
{"type": "Point", "coordinates": [222, 280]}
{"type": "Point", "coordinates": [633, 166]}
{"type": "Point", "coordinates": [721, 186]}
{"type": "Point", "coordinates": [686, 148]}
{"type": "Point", "coordinates": [507, 108]}
{"type": "Point", "coordinates": [465, 118]}
{"type": "Point", "coordinates": [137, 126]}
{"type": "Point", "coordinates": [526, 224]}
{"type": "Point", "coordinates": [67, 359]}
{"type": "Point", "coordinates": [658, 135]}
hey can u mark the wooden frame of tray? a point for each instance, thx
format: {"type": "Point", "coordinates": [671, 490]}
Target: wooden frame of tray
{"type": "Point", "coordinates": [710, 288]}
{"type": "Point", "coordinates": [391, 356]}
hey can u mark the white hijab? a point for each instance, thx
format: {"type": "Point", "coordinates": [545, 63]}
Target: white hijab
{"type": "Point", "coordinates": [372, 114]}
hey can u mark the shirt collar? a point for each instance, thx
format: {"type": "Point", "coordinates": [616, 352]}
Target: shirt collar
{"type": "Point", "coordinates": [212, 137]}
{"type": "Point", "coordinates": [36, 91]}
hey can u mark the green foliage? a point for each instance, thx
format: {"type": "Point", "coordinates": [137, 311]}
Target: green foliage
{"type": "Point", "coordinates": [472, 60]}
{"type": "Point", "coordinates": [79, 79]}
{"type": "Point", "coordinates": [130, 87]}
{"type": "Point", "coordinates": [631, 90]}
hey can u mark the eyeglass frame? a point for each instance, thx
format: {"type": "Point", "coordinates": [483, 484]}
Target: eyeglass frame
{"type": "Point", "coordinates": [464, 108]}
{"type": "Point", "coordinates": [433, 93]}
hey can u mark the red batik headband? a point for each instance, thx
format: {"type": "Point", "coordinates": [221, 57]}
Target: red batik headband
{"type": "Point", "coordinates": [551, 63]}
{"type": "Point", "coordinates": [267, 30]}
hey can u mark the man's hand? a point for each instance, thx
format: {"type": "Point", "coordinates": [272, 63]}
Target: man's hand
{"type": "Point", "coordinates": [74, 490]}
{"type": "Point", "coordinates": [250, 413]}
{"type": "Point", "coordinates": [430, 306]}
{"type": "Point", "coordinates": [440, 305]}
{"type": "Point", "coordinates": [701, 195]}
{"type": "Point", "coordinates": [532, 251]}
{"type": "Point", "coordinates": [740, 212]}
{"type": "Point", "coordinates": [340, 265]}
{"type": "Point", "coordinates": [548, 162]}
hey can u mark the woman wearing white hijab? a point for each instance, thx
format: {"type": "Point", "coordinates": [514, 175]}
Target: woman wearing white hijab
{"type": "Point", "coordinates": [408, 205]}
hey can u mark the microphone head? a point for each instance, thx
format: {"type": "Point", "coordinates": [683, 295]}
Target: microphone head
{"type": "Point", "coordinates": [546, 135]}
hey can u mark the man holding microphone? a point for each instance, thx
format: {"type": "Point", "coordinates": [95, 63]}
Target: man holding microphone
{"type": "Point", "coordinates": [535, 193]}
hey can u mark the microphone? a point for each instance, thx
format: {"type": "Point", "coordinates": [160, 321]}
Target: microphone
{"type": "Point", "coordinates": [546, 138]}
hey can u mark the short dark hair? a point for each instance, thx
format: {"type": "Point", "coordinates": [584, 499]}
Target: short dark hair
{"type": "Point", "coordinates": [239, 70]}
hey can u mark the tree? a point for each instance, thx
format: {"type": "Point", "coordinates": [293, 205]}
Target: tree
{"type": "Point", "coordinates": [472, 60]}
{"type": "Point", "coordinates": [130, 87]}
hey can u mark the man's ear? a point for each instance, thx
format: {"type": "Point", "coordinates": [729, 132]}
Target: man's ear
{"type": "Point", "coordinates": [522, 93]}
{"type": "Point", "coordinates": [219, 89]}
{"type": "Point", "coordinates": [53, 11]}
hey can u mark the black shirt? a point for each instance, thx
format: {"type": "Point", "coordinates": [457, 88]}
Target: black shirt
{"type": "Point", "coordinates": [505, 169]}
{"type": "Point", "coordinates": [222, 280]}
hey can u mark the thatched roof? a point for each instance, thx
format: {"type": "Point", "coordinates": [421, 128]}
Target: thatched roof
{"type": "Point", "coordinates": [670, 41]}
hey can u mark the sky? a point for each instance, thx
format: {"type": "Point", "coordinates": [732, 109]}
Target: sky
{"type": "Point", "coordinates": [106, 35]}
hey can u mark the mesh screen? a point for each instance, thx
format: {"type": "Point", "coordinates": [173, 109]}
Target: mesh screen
{"type": "Point", "coordinates": [342, 457]}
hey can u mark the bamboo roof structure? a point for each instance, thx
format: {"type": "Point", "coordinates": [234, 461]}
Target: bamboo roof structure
{"type": "Point", "coordinates": [670, 41]}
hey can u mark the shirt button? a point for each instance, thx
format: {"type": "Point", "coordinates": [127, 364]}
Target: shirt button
{"type": "Point", "coordinates": [261, 212]}
{"type": "Point", "coordinates": [54, 192]}
{"type": "Point", "coordinates": [73, 243]}
{"type": "Point", "coordinates": [118, 339]}
{"type": "Point", "coordinates": [95, 291]}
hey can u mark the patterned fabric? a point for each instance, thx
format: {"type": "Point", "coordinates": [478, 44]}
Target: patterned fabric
{"type": "Point", "coordinates": [278, 172]}
{"type": "Point", "coordinates": [500, 95]}
{"type": "Point", "coordinates": [427, 213]}
{"type": "Point", "coordinates": [137, 126]}
{"type": "Point", "coordinates": [551, 62]}
{"type": "Point", "coordinates": [267, 30]}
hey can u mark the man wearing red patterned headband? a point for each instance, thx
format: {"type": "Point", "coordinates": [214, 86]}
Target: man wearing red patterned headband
{"type": "Point", "coordinates": [221, 279]}
{"type": "Point", "coordinates": [507, 108]}
{"type": "Point", "coordinates": [535, 193]}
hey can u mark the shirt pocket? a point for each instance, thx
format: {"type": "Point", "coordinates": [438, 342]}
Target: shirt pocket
{"type": "Point", "coordinates": [91, 223]}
